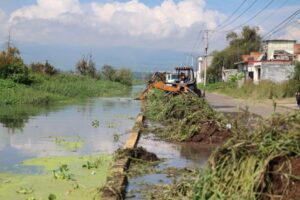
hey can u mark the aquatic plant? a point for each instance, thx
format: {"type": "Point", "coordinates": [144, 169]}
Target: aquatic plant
{"type": "Point", "coordinates": [24, 190]}
{"type": "Point", "coordinates": [51, 197]}
{"type": "Point", "coordinates": [92, 164]}
{"type": "Point", "coordinates": [116, 137]}
{"type": "Point", "coordinates": [241, 168]}
{"type": "Point", "coordinates": [95, 123]}
{"type": "Point", "coordinates": [62, 173]}
{"type": "Point", "coordinates": [70, 145]}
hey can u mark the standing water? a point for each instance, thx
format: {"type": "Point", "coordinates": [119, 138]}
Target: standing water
{"type": "Point", "coordinates": [97, 126]}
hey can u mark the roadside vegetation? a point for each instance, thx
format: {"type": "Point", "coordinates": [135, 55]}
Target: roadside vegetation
{"type": "Point", "coordinates": [42, 83]}
{"type": "Point", "coordinates": [249, 90]}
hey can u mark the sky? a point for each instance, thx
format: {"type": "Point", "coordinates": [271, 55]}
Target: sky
{"type": "Point", "coordinates": [144, 35]}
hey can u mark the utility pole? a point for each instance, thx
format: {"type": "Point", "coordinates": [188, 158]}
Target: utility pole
{"type": "Point", "coordinates": [206, 32]}
{"type": "Point", "coordinates": [9, 43]}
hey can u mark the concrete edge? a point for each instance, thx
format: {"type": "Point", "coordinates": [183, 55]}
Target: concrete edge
{"type": "Point", "coordinates": [116, 183]}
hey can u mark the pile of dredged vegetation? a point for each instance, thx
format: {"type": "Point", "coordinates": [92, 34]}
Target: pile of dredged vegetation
{"type": "Point", "coordinates": [185, 118]}
{"type": "Point", "coordinates": [264, 164]}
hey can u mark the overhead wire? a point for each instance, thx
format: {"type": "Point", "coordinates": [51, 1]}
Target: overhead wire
{"type": "Point", "coordinates": [240, 15]}
{"type": "Point", "coordinates": [265, 19]}
{"type": "Point", "coordinates": [257, 14]}
{"type": "Point", "coordinates": [232, 14]}
{"type": "Point", "coordinates": [283, 23]}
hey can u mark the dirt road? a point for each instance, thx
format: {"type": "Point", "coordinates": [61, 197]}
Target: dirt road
{"type": "Point", "coordinates": [223, 103]}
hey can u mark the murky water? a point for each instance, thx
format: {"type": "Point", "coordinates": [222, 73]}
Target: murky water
{"type": "Point", "coordinates": [191, 155]}
{"type": "Point", "coordinates": [28, 131]}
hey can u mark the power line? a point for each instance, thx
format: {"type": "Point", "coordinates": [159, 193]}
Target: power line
{"type": "Point", "coordinates": [284, 22]}
{"type": "Point", "coordinates": [258, 13]}
{"type": "Point", "coordinates": [265, 19]}
{"type": "Point", "coordinates": [232, 14]}
{"type": "Point", "coordinates": [283, 27]}
{"type": "Point", "coordinates": [236, 18]}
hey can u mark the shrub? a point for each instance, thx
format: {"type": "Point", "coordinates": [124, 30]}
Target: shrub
{"type": "Point", "coordinates": [12, 66]}
{"type": "Point", "coordinates": [86, 67]}
{"type": "Point", "coordinates": [108, 72]}
{"type": "Point", "coordinates": [41, 68]}
{"type": "Point", "coordinates": [124, 76]}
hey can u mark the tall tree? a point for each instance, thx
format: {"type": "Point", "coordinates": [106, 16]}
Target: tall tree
{"type": "Point", "coordinates": [239, 44]}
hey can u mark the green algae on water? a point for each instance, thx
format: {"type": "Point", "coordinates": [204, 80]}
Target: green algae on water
{"type": "Point", "coordinates": [84, 184]}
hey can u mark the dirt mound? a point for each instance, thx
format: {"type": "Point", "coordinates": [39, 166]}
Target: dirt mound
{"type": "Point", "coordinates": [284, 174]}
{"type": "Point", "coordinates": [143, 154]}
{"type": "Point", "coordinates": [210, 134]}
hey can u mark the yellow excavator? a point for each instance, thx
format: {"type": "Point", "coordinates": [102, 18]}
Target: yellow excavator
{"type": "Point", "coordinates": [183, 81]}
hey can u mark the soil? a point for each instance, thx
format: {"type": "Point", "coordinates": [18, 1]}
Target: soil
{"type": "Point", "coordinates": [210, 134]}
{"type": "Point", "coordinates": [282, 173]}
{"type": "Point", "coordinates": [143, 154]}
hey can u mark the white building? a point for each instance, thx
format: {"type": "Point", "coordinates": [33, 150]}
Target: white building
{"type": "Point", "coordinates": [201, 62]}
{"type": "Point", "coordinates": [279, 49]}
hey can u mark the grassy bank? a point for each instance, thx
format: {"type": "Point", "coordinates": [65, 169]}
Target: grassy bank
{"type": "Point", "coordinates": [62, 178]}
{"type": "Point", "coordinates": [59, 88]}
{"type": "Point", "coordinates": [185, 117]}
{"type": "Point", "coordinates": [256, 166]}
{"type": "Point", "coordinates": [265, 90]}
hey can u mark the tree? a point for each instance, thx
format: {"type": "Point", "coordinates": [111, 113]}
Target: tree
{"type": "Point", "coordinates": [86, 67]}
{"type": "Point", "coordinates": [108, 72]}
{"type": "Point", "coordinates": [239, 44]}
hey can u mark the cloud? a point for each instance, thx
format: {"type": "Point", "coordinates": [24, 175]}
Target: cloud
{"type": "Point", "coordinates": [131, 23]}
{"type": "Point", "coordinates": [293, 32]}
{"type": "Point", "coordinates": [3, 25]}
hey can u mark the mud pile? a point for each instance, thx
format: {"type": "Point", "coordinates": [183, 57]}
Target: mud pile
{"type": "Point", "coordinates": [262, 165]}
{"type": "Point", "coordinates": [186, 118]}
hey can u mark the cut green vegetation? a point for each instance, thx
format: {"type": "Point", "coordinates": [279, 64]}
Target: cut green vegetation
{"type": "Point", "coordinates": [183, 116]}
{"type": "Point", "coordinates": [260, 165]}
{"type": "Point", "coordinates": [63, 178]}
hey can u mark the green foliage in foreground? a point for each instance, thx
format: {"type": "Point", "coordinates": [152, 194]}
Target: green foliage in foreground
{"type": "Point", "coordinates": [58, 88]}
{"type": "Point", "coordinates": [182, 115]}
{"type": "Point", "coordinates": [239, 169]}
{"type": "Point", "coordinates": [55, 179]}
{"type": "Point", "coordinates": [265, 89]}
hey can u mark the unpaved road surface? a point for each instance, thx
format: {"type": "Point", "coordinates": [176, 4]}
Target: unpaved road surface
{"type": "Point", "coordinates": [223, 103]}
